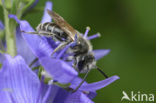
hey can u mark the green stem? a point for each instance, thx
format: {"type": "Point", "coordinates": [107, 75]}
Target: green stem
{"type": "Point", "coordinates": [26, 6]}
{"type": "Point", "coordinates": [10, 35]}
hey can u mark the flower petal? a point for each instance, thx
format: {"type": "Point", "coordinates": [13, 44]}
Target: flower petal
{"type": "Point", "coordinates": [1, 25]}
{"type": "Point", "coordinates": [92, 86]}
{"type": "Point", "coordinates": [91, 94]}
{"type": "Point", "coordinates": [60, 95]}
{"type": "Point", "coordinates": [46, 93]}
{"type": "Point", "coordinates": [46, 17]}
{"type": "Point", "coordinates": [100, 53]}
{"type": "Point", "coordinates": [76, 81]}
{"type": "Point", "coordinates": [78, 97]}
{"type": "Point", "coordinates": [98, 85]}
{"type": "Point", "coordinates": [23, 49]}
{"type": "Point", "coordinates": [17, 82]}
{"type": "Point", "coordinates": [58, 69]}
{"type": "Point", "coordinates": [37, 44]}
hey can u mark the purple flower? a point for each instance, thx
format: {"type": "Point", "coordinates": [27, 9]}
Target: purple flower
{"type": "Point", "coordinates": [23, 49]}
{"type": "Point", "coordinates": [58, 69]}
{"type": "Point", "coordinates": [18, 84]}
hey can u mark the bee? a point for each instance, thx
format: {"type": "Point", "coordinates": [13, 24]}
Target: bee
{"type": "Point", "coordinates": [84, 59]}
{"type": "Point", "coordinates": [82, 51]}
{"type": "Point", "coordinates": [59, 30]}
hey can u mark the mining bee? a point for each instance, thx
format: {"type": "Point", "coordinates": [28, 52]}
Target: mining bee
{"type": "Point", "coordinates": [63, 32]}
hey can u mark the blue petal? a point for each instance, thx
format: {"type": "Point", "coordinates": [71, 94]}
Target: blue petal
{"type": "Point", "coordinates": [37, 44]}
{"type": "Point", "coordinates": [98, 85]}
{"type": "Point", "coordinates": [46, 17]}
{"type": "Point", "coordinates": [91, 94]}
{"type": "Point", "coordinates": [78, 97]}
{"type": "Point", "coordinates": [17, 82]}
{"type": "Point", "coordinates": [76, 81]}
{"type": "Point", "coordinates": [1, 25]}
{"type": "Point", "coordinates": [51, 42]}
{"type": "Point", "coordinates": [60, 95]}
{"type": "Point", "coordinates": [100, 53]}
{"type": "Point", "coordinates": [23, 49]}
{"type": "Point", "coordinates": [58, 69]}
{"type": "Point", "coordinates": [92, 86]}
{"type": "Point", "coordinates": [46, 94]}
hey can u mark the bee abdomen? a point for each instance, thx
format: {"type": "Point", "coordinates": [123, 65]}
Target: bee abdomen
{"type": "Point", "coordinates": [52, 29]}
{"type": "Point", "coordinates": [48, 26]}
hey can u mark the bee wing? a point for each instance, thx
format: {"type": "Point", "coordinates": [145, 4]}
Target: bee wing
{"type": "Point", "coordinates": [63, 24]}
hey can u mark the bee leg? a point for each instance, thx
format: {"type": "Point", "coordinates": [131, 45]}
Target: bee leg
{"type": "Point", "coordinates": [104, 74]}
{"type": "Point", "coordinates": [44, 33]}
{"type": "Point", "coordinates": [30, 32]}
{"type": "Point", "coordinates": [74, 65]}
{"type": "Point", "coordinates": [83, 80]}
{"type": "Point", "coordinates": [59, 47]}
{"type": "Point", "coordinates": [47, 34]}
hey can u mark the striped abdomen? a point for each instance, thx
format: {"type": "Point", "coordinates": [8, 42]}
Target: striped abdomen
{"type": "Point", "coordinates": [52, 30]}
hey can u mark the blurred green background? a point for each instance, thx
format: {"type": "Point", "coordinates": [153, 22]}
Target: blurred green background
{"type": "Point", "coordinates": [128, 28]}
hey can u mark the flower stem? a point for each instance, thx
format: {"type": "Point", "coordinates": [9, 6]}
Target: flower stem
{"type": "Point", "coordinates": [10, 35]}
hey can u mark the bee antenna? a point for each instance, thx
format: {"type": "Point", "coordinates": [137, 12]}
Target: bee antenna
{"type": "Point", "coordinates": [101, 72]}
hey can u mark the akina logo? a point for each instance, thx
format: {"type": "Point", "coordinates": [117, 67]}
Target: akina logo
{"type": "Point", "coordinates": [137, 96]}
